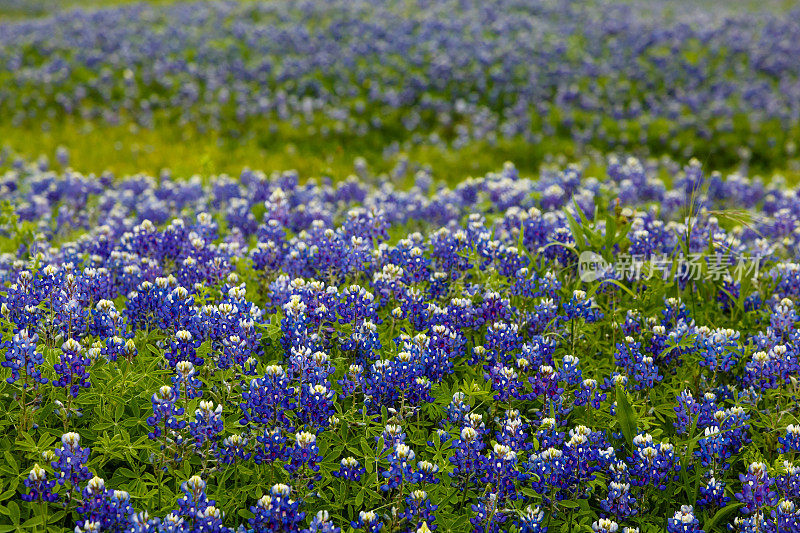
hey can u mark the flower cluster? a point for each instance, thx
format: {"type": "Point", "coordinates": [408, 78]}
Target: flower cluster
{"type": "Point", "coordinates": [401, 357]}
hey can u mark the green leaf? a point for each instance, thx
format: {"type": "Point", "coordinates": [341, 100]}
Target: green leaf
{"type": "Point", "coordinates": [33, 521]}
{"type": "Point", "coordinates": [569, 504]}
{"type": "Point", "coordinates": [11, 462]}
{"type": "Point", "coordinates": [13, 512]}
{"type": "Point", "coordinates": [360, 497]}
{"type": "Point", "coordinates": [577, 232]}
{"type": "Point", "coordinates": [625, 415]}
{"type": "Point", "coordinates": [204, 349]}
{"type": "Point", "coordinates": [119, 410]}
{"type": "Point", "coordinates": [366, 449]}
{"type": "Point", "coordinates": [720, 518]}
{"type": "Point", "coordinates": [621, 286]}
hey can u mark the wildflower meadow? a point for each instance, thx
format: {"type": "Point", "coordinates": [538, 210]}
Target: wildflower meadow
{"type": "Point", "coordinates": [525, 266]}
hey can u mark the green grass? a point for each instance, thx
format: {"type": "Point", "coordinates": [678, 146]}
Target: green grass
{"type": "Point", "coordinates": [186, 150]}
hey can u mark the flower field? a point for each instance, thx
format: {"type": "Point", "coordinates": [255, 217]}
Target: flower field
{"type": "Point", "coordinates": [597, 340]}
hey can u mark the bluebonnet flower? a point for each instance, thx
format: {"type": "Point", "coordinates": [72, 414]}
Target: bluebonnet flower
{"type": "Point", "coordinates": [166, 414]}
{"type": "Point", "coordinates": [659, 344]}
{"type": "Point", "coordinates": [321, 523]}
{"type": "Point", "coordinates": [712, 494]}
{"type": "Point", "coordinates": [71, 460]}
{"type": "Point", "coordinates": [112, 349]}
{"type": "Point", "coordinates": [425, 473]}
{"type": "Point", "coordinates": [500, 469]}
{"type": "Point", "coordinates": [304, 453]}
{"type": "Point", "coordinates": [352, 380]}
{"type": "Point", "coordinates": [488, 518]}
{"type": "Point", "coordinates": [367, 521]}
{"type": "Point", "coordinates": [786, 516]}
{"type": "Point", "coordinates": [640, 366]}
{"type": "Point", "coordinates": [627, 353]}
{"type": "Point", "coordinates": [605, 525]}
{"type": "Point", "coordinates": [317, 404]}
{"type": "Point", "coordinates": [200, 513]}
{"type": "Point", "coordinates": [580, 306]}
{"type": "Point", "coordinates": [570, 372]}
{"type": "Point", "coordinates": [653, 463]}
{"type": "Point", "coordinates": [39, 487]}
{"type": "Point", "coordinates": [719, 349]}
{"type": "Point", "coordinates": [619, 501]}
{"type": "Point", "coordinates": [589, 394]}
{"type": "Point", "coordinates": [714, 447]}
{"type": "Point", "coordinates": [176, 311]}
{"type": "Point", "coordinates": [787, 482]}
{"type": "Point", "coordinates": [276, 511]}
{"type": "Point", "coordinates": [183, 348]}
{"type": "Point", "coordinates": [513, 432]}
{"type": "Point", "coordinates": [543, 316]}
{"type": "Point", "coordinates": [545, 383]}
{"type": "Point", "coordinates": [185, 380]}
{"type": "Point", "coordinates": [790, 441]}
{"type": "Point", "coordinates": [268, 400]}
{"type": "Point", "coordinates": [272, 446]}
{"type": "Point", "coordinates": [548, 434]}
{"type": "Point", "coordinates": [501, 339]}
{"type": "Point", "coordinates": [530, 521]}
{"type": "Point", "coordinates": [392, 435]}
{"type": "Point", "coordinates": [494, 308]}
{"type": "Point", "coordinates": [233, 449]}
{"type": "Point", "coordinates": [764, 370]}
{"type": "Point", "coordinates": [419, 510]}
{"type": "Point", "coordinates": [783, 318]}
{"type": "Point", "coordinates": [357, 304]}
{"type": "Point", "coordinates": [207, 424]}
{"type": "Point", "coordinates": [457, 409]}
{"type": "Point", "coordinates": [757, 488]}
{"type": "Point", "coordinates": [684, 521]}
{"type": "Point", "coordinates": [349, 470]}
{"type": "Point", "coordinates": [750, 524]}
{"type": "Point", "coordinates": [400, 467]}
{"type": "Point", "coordinates": [686, 410]}
{"type": "Point", "coordinates": [106, 320]}
{"type": "Point", "coordinates": [21, 354]}
{"type": "Point", "coordinates": [674, 312]}
{"type": "Point", "coordinates": [467, 460]}
{"type": "Point", "coordinates": [505, 382]}
{"type": "Point", "coordinates": [109, 508]}
{"type": "Point", "coordinates": [73, 368]}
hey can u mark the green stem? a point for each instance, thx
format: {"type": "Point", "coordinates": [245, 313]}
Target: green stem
{"type": "Point", "coordinates": [44, 516]}
{"type": "Point", "coordinates": [24, 406]}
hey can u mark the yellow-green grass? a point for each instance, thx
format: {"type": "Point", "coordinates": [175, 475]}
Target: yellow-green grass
{"type": "Point", "coordinates": [185, 151]}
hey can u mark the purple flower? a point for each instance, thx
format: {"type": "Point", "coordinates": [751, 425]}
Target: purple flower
{"type": "Point", "coordinates": [39, 487]}
{"type": "Point", "coordinates": [684, 521]}
{"type": "Point", "coordinates": [21, 355]}
{"type": "Point", "coordinates": [277, 512]}
{"type": "Point", "coordinates": [73, 369]}
{"type": "Point", "coordinates": [349, 469]}
{"type": "Point", "coordinates": [367, 521]}
{"type": "Point", "coordinates": [71, 460]}
{"type": "Point", "coordinates": [757, 488]}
